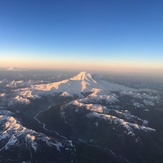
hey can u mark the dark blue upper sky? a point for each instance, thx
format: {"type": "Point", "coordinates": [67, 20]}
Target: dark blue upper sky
{"type": "Point", "coordinates": [105, 30]}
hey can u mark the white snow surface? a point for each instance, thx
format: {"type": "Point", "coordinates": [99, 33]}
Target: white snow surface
{"type": "Point", "coordinates": [80, 85]}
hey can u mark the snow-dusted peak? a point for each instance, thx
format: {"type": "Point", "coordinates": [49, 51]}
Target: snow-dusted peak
{"type": "Point", "coordinates": [83, 76]}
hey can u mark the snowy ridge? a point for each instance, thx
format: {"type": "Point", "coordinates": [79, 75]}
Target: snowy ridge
{"type": "Point", "coordinates": [13, 134]}
{"type": "Point", "coordinates": [125, 119]}
{"type": "Point", "coordinates": [129, 127]}
{"type": "Point", "coordinates": [21, 83]}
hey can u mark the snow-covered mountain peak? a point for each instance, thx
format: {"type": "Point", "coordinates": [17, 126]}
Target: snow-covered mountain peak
{"type": "Point", "coordinates": [83, 76]}
{"type": "Point", "coordinates": [80, 85]}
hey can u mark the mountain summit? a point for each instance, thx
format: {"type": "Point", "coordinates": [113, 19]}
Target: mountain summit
{"type": "Point", "coordinates": [83, 76]}
{"type": "Point", "coordinates": [80, 85]}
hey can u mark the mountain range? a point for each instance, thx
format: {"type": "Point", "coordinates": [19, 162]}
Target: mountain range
{"type": "Point", "coordinates": [89, 113]}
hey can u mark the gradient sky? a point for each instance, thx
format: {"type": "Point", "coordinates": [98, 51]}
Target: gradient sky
{"type": "Point", "coordinates": [82, 34]}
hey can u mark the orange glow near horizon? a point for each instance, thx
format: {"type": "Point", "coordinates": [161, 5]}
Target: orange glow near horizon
{"type": "Point", "coordinates": [121, 66]}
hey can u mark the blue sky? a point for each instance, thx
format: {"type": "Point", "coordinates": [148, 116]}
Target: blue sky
{"type": "Point", "coordinates": [117, 33]}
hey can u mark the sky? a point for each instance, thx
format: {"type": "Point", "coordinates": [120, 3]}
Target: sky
{"type": "Point", "coordinates": [82, 34]}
